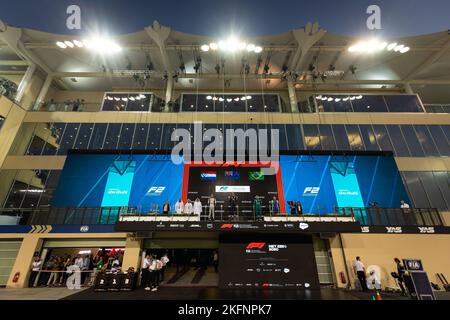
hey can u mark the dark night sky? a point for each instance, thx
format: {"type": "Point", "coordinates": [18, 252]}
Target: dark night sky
{"type": "Point", "coordinates": [244, 17]}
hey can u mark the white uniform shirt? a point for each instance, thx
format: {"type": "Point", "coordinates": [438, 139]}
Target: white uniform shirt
{"type": "Point", "coordinates": [404, 206]}
{"type": "Point", "coordinates": [36, 265]}
{"type": "Point", "coordinates": [197, 208]}
{"type": "Point", "coordinates": [179, 207]}
{"type": "Point", "coordinates": [359, 266]}
{"type": "Point", "coordinates": [79, 262]}
{"type": "Point", "coordinates": [146, 263]}
{"type": "Point", "coordinates": [188, 208]}
{"type": "Point", "coordinates": [164, 260]}
{"type": "Point", "coordinates": [153, 265]}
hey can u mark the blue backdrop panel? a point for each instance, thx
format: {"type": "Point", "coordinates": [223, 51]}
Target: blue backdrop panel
{"type": "Point", "coordinates": [95, 180]}
{"type": "Point", "coordinates": [323, 182]}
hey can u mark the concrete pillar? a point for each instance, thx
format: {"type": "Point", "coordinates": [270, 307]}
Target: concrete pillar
{"type": "Point", "coordinates": [292, 96]}
{"type": "Point", "coordinates": [25, 82]}
{"type": "Point", "coordinates": [132, 255]}
{"type": "Point", "coordinates": [408, 88]}
{"type": "Point", "coordinates": [11, 126]}
{"type": "Point", "coordinates": [31, 243]}
{"type": "Point", "coordinates": [169, 91]}
{"type": "Point", "coordinates": [44, 91]}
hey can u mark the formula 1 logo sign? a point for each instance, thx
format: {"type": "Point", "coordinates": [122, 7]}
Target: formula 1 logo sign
{"type": "Point", "coordinates": [256, 245]}
{"type": "Point", "coordinates": [156, 191]}
{"type": "Point", "coordinates": [226, 226]}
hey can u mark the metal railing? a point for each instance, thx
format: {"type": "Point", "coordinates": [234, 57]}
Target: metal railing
{"type": "Point", "coordinates": [110, 215]}
{"type": "Point", "coordinates": [394, 216]}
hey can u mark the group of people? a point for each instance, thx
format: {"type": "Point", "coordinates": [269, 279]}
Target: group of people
{"type": "Point", "coordinates": [371, 280]}
{"type": "Point", "coordinates": [232, 206]}
{"type": "Point", "coordinates": [153, 271]}
{"type": "Point", "coordinates": [55, 271]}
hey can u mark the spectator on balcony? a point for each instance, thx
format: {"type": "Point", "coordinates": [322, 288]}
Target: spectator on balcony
{"type": "Point", "coordinates": [81, 106]}
{"type": "Point", "coordinates": [179, 207]}
{"type": "Point", "coordinates": [76, 105]}
{"type": "Point", "coordinates": [166, 208]}
{"type": "Point", "coordinates": [404, 205]}
{"type": "Point", "coordinates": [52, 105]}
{"type": "Point", "coordinates": [197, 207]}
{"type": "Point", "coordinates": [67, 105]}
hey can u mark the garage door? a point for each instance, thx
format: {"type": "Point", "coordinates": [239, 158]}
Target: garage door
{"type": "Point", "coordinates": [8, 253]}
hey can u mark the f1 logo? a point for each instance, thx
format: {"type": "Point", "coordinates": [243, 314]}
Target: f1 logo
{"type": "Point", "coordinates": [227, 226]}
{"type": "Point", "coordinates": [156, 191]}
{"type": "Point", "coordinates": [256, 245]}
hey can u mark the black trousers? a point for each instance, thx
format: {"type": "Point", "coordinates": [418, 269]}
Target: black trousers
{"type": "Point", "coordinates": [152, 279]}
{"type": "Point", "coordinates": [145, 278]}
{"type": "Point", "coordinates": [400, 284]}
{"type": "Point", "coordinates": [33, 276]}
{"type": "Point", "coordinates": [362, 280]}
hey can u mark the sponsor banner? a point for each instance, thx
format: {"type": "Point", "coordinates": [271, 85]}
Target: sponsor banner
{"type": "Point", "coordinates": [233, 189]}
{"type": "Point", "coordinates": [58, 229]}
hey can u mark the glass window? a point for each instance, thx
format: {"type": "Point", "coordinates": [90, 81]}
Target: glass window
{"type": "Point", "coordinates": [416, 190]}
{"type": "Point", "coordinates": [115, 102]}
{"type": "Point", "coordinates": [334, 104]}
{"type": "Point", "coordinates": [140, 136]}
{"type": "Point", "coordinates": [98, 136]}
{"type": "Point", "coordinates": [443, 181]}
{"type": "Point", "coordinates": [446, 130]}
{"type": "Point", "coordinates": [16, 195]}
{"type": "Point", "coordinates": [158, 104]}
{"type": "Point", "coordinates": [440, 139]}
{"type": "Point", "coordinates": [126, 136]}
{"type": "Point", "coordinates": [426, 140]}
{"type": "Point", "coordinates": [69, 137]}
{"type": "Point", "coordinates": [295, 137]}
{"type": "Point", "coordinates": [54, 140]}
{"type": "Point", "coordinates": [154, 137]}
{"type": "Point", "coordinates": [36, 146]}
{"type": "Point", "coordinates": [354, 137]}
{"type": "Point", "coordinates": [312, 137]}
{"type": "Point", "coordinates": [411, 139]}
{"type": "Point", "coordinates": [369, 137]}
{"type": "Point", "coordinates": [369, 104]}
{"type": "Point", "coordinates": [399, 144]}
{"type": "Point", "coordinates": [282, 136]}
{"type": "Point", "coordinates": [84, 136]}
{"type": "Point", "coordinates": [166, 143]}
{"type": "Point", "coordinates": [112, 136]}
{"type": "Point", "coordinates": [189, 102]}
{"type": "Point", "coordinates": [432, 189]}
{"type": "Point", "coordinates": [138, 102]}
{"type": "Point", "coordinates": [270, 103]}
{"type": "Point", "coordinates": [340, 135]}
{"type": "Point", "coordinates": [382, 136]}
{"type": "Point", "coordinates": [326, 137]}
{"type": "Point", "coordinates": [403, 103]}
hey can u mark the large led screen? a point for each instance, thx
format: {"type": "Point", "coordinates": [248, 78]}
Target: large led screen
{"type": "Point", "coordinates": [322, 182]}
{"type": "Point", "coordinates": [112, 180]}
{"type": "Point", "coordinates": [267, 261]}
{"type": "Point", "coordinates": [319, 182]}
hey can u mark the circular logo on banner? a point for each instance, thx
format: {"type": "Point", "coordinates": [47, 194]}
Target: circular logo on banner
{"type": "Point", "coordinates": [84, 229]}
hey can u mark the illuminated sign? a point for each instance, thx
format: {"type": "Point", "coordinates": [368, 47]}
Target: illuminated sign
{"type": "Point", "coordinates": [231, 189]}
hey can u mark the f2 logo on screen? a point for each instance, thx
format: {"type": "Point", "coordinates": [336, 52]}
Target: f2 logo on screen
{"type": "Point", "coordinates": [156, 191]}
{"type": "Point", "coordinates": [311, 191]}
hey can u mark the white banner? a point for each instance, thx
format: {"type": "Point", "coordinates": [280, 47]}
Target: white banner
{"type": "Point", "coordinates": [230, 189]}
